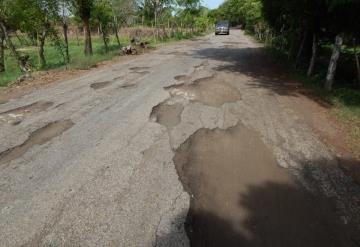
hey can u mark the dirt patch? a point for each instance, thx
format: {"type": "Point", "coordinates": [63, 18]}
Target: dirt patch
{"type": "Point", "coordinates": [182, 78]}
{"type": "Point", "coordinates": [37, 137]}
{"type": "Point", "coordinates": [241, 197]}
{"type": "Point", "coordinates": [167, 115]}
{"type": "Point", "coordinates": [100, 85]}
{"type": "Point", "coordinates": [209, 90]}
{"type": "Point", "coordinates": [3, 101]}
{"type": "Point", "coordinates": [32, 108]}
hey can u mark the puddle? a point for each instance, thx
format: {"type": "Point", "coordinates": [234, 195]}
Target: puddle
{"type": "Point", "coordinates": [215, 167]}
{"type": "Point", "coordinates": [32, 108]}
{"type": "Point", "coordinates": [38, 137]}
{"type": "Point", "coordinates": [167, 115]}
{"type": "Point", "coordinates": [209, 91]}
{"type": "Point", "coordinates": [100, 85]}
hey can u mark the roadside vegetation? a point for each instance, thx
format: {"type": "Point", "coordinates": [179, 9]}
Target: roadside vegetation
{"type": "Point", "coordinates": [318, 42]}
{"type": "Point", "coordinates": [38, 35]}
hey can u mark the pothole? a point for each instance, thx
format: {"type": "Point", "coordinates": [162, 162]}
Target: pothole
{"type": "Point", "coordinates": [182, 78]}
{"type": "Point", "coordinates": [167, 115]}
{"type": "Point", "coordinates": [118, 78]}
{"type": "Point", "coordinates": [232, 43]}
{"type": "Point", "coordinates": [128, 85]}
{"type": "Point", "coordinates": [32, 108]}
{"type": "Point", "coordinates": [241, 197]}
{"type": "Point", "coordinates": [100, 85]}
{"type": "Point", "coordinates": [214, 167]}
{"type": "Point", "coordinates": [209, 91]}
{"type": "Point", "coordinates": [38, 137]}
{"type": "Point", "coordinates": [137, 69]}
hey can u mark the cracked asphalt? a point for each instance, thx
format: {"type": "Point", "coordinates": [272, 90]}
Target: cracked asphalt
{"type": "Point", "coordinates": [195, 143]}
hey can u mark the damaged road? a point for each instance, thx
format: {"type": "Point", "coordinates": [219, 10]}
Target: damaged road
{"type": "Point", "coordinates": [200, 143]}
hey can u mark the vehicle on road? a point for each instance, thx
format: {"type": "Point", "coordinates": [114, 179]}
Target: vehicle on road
{"type": "Point", "coordinates": [222, 27]}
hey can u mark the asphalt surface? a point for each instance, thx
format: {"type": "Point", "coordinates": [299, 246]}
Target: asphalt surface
{"type": "Point", "coordinates": [194, 143]}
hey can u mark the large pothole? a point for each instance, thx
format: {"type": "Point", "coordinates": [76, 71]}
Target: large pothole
{"type": "Point", "coordinates": [210, 91]}
{"type": "Point", "coordinates": [241, 197]}
{"type": "Point", "coordinates": [166, 114]}
{"type": "Point", "coordinates": [32, 108]}
{"type": "Point", "coordinates": [38, 137]}
{"type": "Point", "coordinates": [15, 116]}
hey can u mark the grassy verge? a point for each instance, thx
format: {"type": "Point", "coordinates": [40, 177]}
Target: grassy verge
{"type": "Point", "coordinates": [54, 59]}
{"type": "Point", "coordinates": [343, 100]}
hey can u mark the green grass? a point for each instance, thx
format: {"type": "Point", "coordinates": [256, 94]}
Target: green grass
{"type": "Point", "coordinates": [54, 60]}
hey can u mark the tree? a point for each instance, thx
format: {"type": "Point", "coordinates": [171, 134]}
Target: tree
{"type": "Point", "coordinates": [9, 16]}
{"type": "Point", "coordinates": [83, 10]}
{"type": "Point", "coordinates": [2, 52]}
{"type": "Point", "coordinates": [102, 13]}
{"type": "Point", "coordinates": [63, 18]}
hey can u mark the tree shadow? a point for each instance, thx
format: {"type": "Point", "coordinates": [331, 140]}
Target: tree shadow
{"type": "Point", "coordinates": [272, 214]}
{"type": "Point", "coordinates": [262, 71]}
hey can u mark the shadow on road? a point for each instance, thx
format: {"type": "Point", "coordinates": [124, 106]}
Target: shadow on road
{"type": "Point", "coordinates": [254, 63]}
{"type": "Point", "coordinates": [299, 220]}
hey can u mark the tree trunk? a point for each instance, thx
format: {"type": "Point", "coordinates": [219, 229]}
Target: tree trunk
{"type": "Point", "coordinates": [22, 61]}
{"type": "Point", "coordinates": [103, 35]}
{"type": "Point", "coordinates": [116, 31]}
{"type": "Point", "coordinates": [88, 45]}
{"type": "Point", "coordinates": [357, 61]}
{"type": "Point", "coordinates": [292, 47]}
{"type": "Point", "coordinates": [2, 53]}
{"type": "Point", "coordinates": [302, 45]}
{"type": "Point", "coordinates": [333, 62]}
{"type": "Point", "coordinates": [313, 56]}
{"type": "Point", "coordinates": [42, 61]}
{"type": "Point", "coordinates": [77, 37]}
{"type": "Point", "coordinates": [66, 40]}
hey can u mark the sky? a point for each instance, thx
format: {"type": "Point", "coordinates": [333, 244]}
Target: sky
{"type": "Point", "coordinates": [212, 4]}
